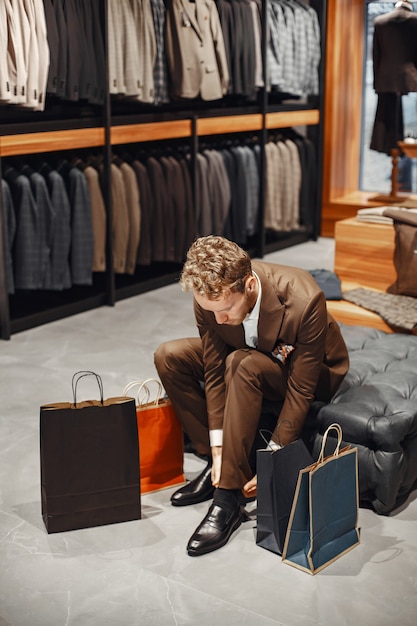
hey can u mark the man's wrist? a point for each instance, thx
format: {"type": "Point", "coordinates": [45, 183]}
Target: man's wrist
{"type": "Point", "coordinates": [216, 437]}
{"type": "Point", "coordinates": [272, 445]}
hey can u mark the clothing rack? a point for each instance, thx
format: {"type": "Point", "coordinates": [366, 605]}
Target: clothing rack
{"type": "Point", "coordinates": [115, 128]}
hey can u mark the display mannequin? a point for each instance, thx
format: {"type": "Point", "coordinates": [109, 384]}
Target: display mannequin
{"type": "Point", "coordinates": [395, 72]}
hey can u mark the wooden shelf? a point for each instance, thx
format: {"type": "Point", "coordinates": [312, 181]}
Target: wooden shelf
{"type": "Point", "coordinates": [51, 141]}
{"type": "Point", "coordinates": [152, 131]}
{"type": "Point", "coordinates": [285, 119]}
{"type": "Point", "coordinates": [226, 124]}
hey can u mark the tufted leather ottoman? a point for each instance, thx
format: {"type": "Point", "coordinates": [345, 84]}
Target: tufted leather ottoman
{"type": "Point", "coordinates": [376, 405]}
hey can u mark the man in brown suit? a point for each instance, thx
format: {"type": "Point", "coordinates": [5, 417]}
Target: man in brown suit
{"type": "Point", "coordinates": [265, 333]}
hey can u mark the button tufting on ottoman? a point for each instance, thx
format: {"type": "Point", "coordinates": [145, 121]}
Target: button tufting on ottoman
{"type": "Point", "coordinates": [376, 405]}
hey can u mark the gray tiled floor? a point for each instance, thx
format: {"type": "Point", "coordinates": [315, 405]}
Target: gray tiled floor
{"type": "Point", "coordinates": [138, 573]}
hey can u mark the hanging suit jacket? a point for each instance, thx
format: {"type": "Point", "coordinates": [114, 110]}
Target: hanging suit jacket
{"type": "Point", "coordinates": [204, 218]}
{"type": "Point", "coordinates": [145, 194]}
{"type": "Point", "coordinates": [133, 207]}
{"type": "Point", "coordinates": [173, 220]}
{"type": "Point", "coordinates": [159, 208]}
{"type": "Point", "coordinates": [146, 39]}
{"type": "Point", "coordinates": [120, 220]}
{"type": "Point", "coordinates": [27, 248]}
{"type": "Point", "coordinates": [9, 231]}
{"type": "Point", "coordinates": [219, 190]}
{"type": "Point", "coordinates": [82, 236]}
{"type": "Point", "coordinates": [395, 52]}
{"type": "Point", "coordinates": [5, 92]}
{"type": "Point", "coordinates": [273, 187]}
{"type": "Point", "coordinates": [59, 275]}
{"type": "Point", "coordinates": [98, 216]}
{"type": "Point", "coordinates": [191, 229]}
{"type": "Point", "coordinates": [160, 70]}
{"type": "Point", "coordinates": [46, 220]}
{"type": "Point", "coordinates": [195, 50]}
{"type": "Point", "coordinates": [179, 193]}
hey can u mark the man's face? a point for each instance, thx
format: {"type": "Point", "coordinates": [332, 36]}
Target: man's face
{"type": "Point", "coordinates": [231, 308]}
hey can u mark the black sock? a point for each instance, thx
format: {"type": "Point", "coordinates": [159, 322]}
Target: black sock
{"type": "Point", "coordinates": [227, 498]}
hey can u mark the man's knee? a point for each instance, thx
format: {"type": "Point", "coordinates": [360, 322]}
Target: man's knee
{"type": "Point", "coordinates": [164, 354]}
{"type": "Point", "coordinates": [239, 362]}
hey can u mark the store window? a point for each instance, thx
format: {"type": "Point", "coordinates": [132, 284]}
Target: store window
{"type": "Point", "coordinates": [376, 167]}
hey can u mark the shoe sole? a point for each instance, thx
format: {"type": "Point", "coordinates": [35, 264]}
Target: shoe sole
{"type": "Point", "coordinates": [236, 525]}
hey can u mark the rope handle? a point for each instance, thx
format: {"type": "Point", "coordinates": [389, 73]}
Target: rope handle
{"type": "Point", "coordinates": [143, 387]}
{"type": "Point", "coordinates": [338, 429]}
{"type": "Point", "coordinates": [264, 430]}
{"type": "Point", "coordinates": [82, 374]}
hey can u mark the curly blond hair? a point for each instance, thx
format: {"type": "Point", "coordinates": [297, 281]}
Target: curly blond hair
{"type": "Point", "coordinates": [215, 266]}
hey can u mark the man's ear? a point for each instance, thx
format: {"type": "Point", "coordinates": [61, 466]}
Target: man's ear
{"type": "Point", "coordinates": [250, 283]}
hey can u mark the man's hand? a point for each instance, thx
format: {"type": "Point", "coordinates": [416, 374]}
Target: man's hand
{"type": "Point", "coordinates": [216, 454]}
{"type": "Point", "coordinates": [249, 490]}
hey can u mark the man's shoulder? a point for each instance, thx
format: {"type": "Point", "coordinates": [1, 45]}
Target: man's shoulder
{"type": "Point", "coordinates": [286, 279]}
{"type": "Point", "coordinates": [278, 269]}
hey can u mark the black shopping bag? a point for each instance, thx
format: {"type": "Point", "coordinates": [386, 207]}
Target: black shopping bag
{"type": "Point", "coordinates": [89, 461]}
{"type": "Point", "coordinates": [277, 474]}
{"type": "Point", "coordinates": [324, 517]}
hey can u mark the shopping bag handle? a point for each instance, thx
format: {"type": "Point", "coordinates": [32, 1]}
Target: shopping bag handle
{"type": "Point", "coordinates": [264, 430]}
{"type": "Point", "coordinates": [135, 383]}
{"type": "Point", "coordinates": [143, 386]}
{"type": "Point", "coordinates": [82, 374]}
{"type": "Point", "coordinates": [338, 429]}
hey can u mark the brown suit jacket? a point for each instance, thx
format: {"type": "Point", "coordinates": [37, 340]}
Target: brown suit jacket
{"type": "Point", "coordinates": [293, 311]}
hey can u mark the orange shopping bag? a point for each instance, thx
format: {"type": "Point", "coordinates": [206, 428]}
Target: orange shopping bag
{"type": "Point", "coordinates": [161, 452]}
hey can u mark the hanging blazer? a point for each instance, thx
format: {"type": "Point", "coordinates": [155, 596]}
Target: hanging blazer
{"type": "Point", "coordinates": [395, 52]}
{"type": "Point", "coordinates": [27, 242]}
{"type": "Point", "coordinates": [99, 218]}
{"type": "Point", "coordinates": [5, 92]}
{"type": "Point", "coordinates": [133, 208]}
{"type": "Point", "coordinates": [145, 196]}
{"type": "Point", "coordinates": [195, 50]}
{"type": "Point", "coordinates": [9, 232]}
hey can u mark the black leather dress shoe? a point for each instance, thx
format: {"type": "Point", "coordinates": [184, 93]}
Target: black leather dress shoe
{"type": "Point", "coordinates": [215, 529]}
{"type": "Point", "coordinates": [197, 490]}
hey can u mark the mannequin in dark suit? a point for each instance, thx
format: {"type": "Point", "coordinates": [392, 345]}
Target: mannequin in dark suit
{"type": "Point", "coordinates": [292, 351]}
{"type": "Point", "coordinates": [395, 72]}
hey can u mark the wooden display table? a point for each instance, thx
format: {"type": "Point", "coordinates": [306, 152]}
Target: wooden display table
{"type": "Point", "coordinates": [364, 253]}
{"type": "Point", "coordinates": [363, 258]}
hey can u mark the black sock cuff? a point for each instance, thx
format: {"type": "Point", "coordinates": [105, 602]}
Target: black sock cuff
{"type": "Point", "coordinates": [226, 497]}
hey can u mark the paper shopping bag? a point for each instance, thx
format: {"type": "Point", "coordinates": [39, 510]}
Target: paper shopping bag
{"type": "Point", "coordinates": [160, 438]}
{"type": "Point", "coordinates": [277, 474]}
{"type": "Point", "coordinates": [89, 461]}
{"type": "Point", "coordinates": [323, 523]}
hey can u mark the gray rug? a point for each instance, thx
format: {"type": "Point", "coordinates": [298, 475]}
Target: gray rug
{"type": "Point", "coordinates": [400, 312]}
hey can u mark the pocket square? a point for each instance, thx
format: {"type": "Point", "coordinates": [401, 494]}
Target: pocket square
{"type": "Point", "coordinates": [282, 351]}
